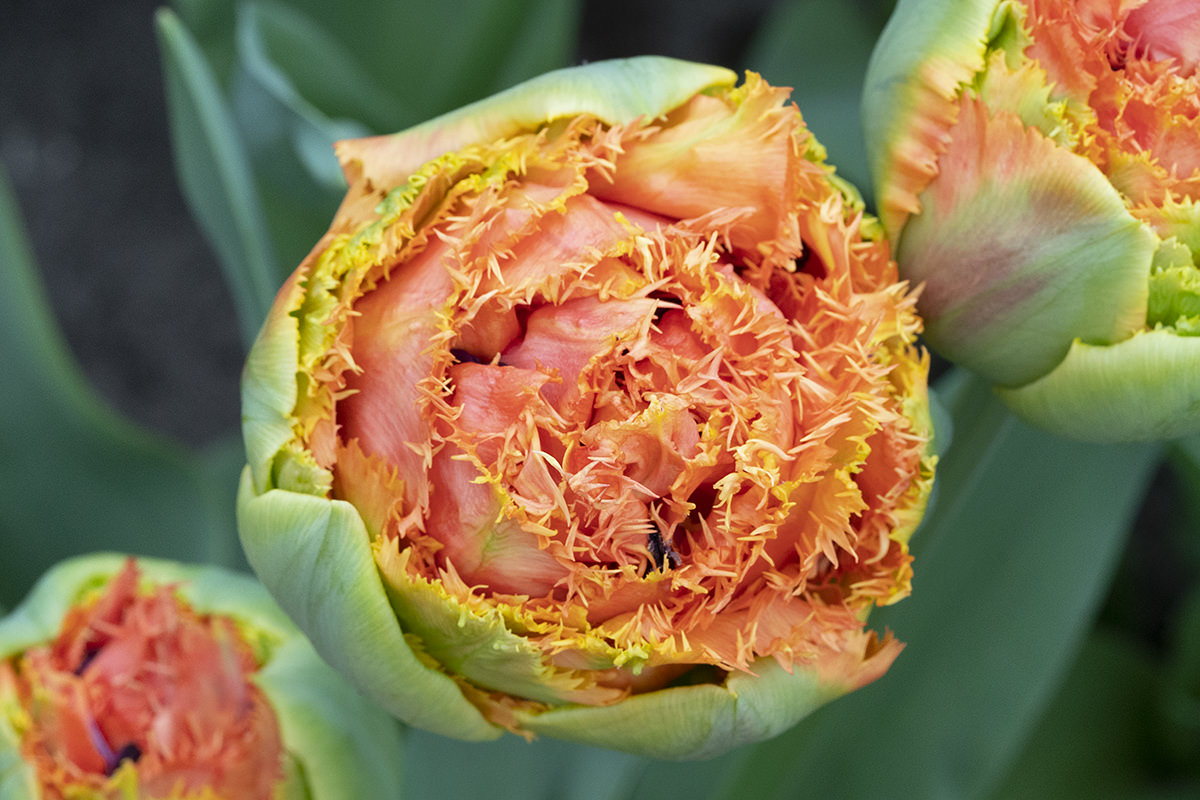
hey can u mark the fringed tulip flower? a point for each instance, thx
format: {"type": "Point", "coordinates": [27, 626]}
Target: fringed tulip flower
{"type": "Point", "coordinates": [1038, 166]}
{"type": "Point", "coordinates": [124, 680]}
{"type": "Point", "coordinates": [596, 414]}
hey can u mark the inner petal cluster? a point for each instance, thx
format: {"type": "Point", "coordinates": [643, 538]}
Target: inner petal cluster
{"type": "Point", "coordinates": [649, 406]}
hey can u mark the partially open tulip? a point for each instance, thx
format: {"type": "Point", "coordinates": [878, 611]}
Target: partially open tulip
{"type": "Point", "coordinates": [124, 680]}
{"type": "Point", "coordinates": [1036, 163]}
{"type": "Point", "coordinates": [595, 414]}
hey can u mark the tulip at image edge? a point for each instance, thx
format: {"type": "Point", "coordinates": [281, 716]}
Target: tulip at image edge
{"type": "Point", "coordinates": [334, 744]}
{"type": "Point", "coordinates": [345, 585]}
{"type": "Point", "coordinates": [1074, 291]}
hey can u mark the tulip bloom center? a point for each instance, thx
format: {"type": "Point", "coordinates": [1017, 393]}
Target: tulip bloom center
{"type": "Point", "coordinates": [140, 696]}
{"type": "Point", "coordinates": [621, 400]}
{"type": "Point", "coordinates": [1134, 64]}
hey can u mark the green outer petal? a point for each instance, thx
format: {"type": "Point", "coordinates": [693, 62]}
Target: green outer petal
{"type": "Point", "coordinates": [314, 556]}
{"type": "Point", "coordinates": [693, 722]}
{"type": "Point", "coordinates": [18, 780]}
{"type": "Point", "coordinates": [269, 385]}
{"type": "Point", "coordinates": [1023, 247]}
{"type": "Point", "coordinates": [1145, 388]}
{"type": "Point", "coordinates": [616, 91]}
{"type": "Point", "coordinates": [348, 748]}
{"type": "Point", "coordinates": [478, 647]}
{"type": "Point", "coordinates": [920, 32]}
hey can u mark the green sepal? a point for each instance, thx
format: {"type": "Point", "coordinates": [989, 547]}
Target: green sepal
{"type": "Point", "coordinates": [1147, 387]}
{"type": "Point", "coordinates": [476, 644]}
{"type": "Point", "coordinates": [693, 722]}
{"type": "Point", "coordinates": [314, 556]}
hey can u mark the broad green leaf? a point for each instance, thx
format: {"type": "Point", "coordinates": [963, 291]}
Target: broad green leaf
{"type": "Point", "coordinates": [1179, 703]}
{"type": "Point", "coordinates": [1096, 740]}
{"type": "Point", "coordinates": [435, 56]}
{"type": "Point", "coordinates": [512, 769]}
{"type": "Point", "coordinates": [288, 137]}
{"type": "Point", "coordinates": [215, 174]}
{"type": "Point", "coordinates": [75, 476]}
{"type": "Point", "coordinates": [1010, 565]}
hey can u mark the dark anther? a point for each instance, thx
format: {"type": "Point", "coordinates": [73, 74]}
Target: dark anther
{"type": "Point", "coordinates": [90, 651]}
{"type": "Point", "coordinates": [130, 752]}
{"type": "Point", "coordinates": [662, 552]}
{"type": "Point", "coordinates": [669, 301]}
{"type": "Point", "coordinates": [811, 263]}
{"type": "Point", "coordinates": [462, 356]}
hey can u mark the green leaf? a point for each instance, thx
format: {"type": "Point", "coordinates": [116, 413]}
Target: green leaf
{"type": "Point", "coordinates": [1096, 739]}
{"type": "Point", "coordinates": [215, 174]}
{"type": "Point", "coordinates": [1009, 565]}
{"type": "Point", "coordinates": [296, 91]}
{"type": "Point", "coordinates": [433, 59]}
{"type": "Point", "coordinates": [513, 769]}
{"type": "Point", "coordinates": [75, 476]}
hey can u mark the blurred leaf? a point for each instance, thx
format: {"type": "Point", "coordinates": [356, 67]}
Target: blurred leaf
{"type": "Point", "coordinates": [512, 769]}
{"type": "Point", "coordinates": [1185, 463]}
{"type": "Point", "coordinates": [289, 139]}
{"type": "Point", "coordinates": [74, 476]}
{"type": "Point", "coordinates": [820, 48]}
{"type": "Point", "coordinates": [435, 56]}
{"type": "Point", "coordinates": [310, 71]}
{"type": "Point", "coordinates": [1009, 569]}
{"type": "Point", "coordinates": [1096, 738]}
{"type": "Point", "coordinates": [211, 24]}
{"type": "Point", "coordinates": [1179, 703]}
{"type": "Point", "coordinates": [215, 175]}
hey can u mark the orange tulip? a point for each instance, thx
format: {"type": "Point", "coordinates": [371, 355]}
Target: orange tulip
{"type": "Point", "coordinates": [114, 685]}
{"type": "Point", "coordinates": [1038, 167]}
{"type": "Point", "coordinates": [604, 392]}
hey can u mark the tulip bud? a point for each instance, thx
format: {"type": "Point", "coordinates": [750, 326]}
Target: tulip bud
{"type": "Point", "coordinates": [124, 679]}
{"type": "Point", "coordinates": [595, 414]}
{"type": "Point", "coordinates": [1036, 164]}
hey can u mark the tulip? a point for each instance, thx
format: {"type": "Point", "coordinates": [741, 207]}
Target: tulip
{"type": "Point", "coordinates": [148, 679]}
{"type": "Point", "coordinates": [1036, 166]}
{"type": "Point", "coordinates": [596, 414]}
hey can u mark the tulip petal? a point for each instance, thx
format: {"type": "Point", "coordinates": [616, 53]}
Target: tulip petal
{"type": "Point", "coordinates": [1141, 389]}
{"type": "Point", "coordinates": [476, 643]}
{"type": "Point", "coordinates": [617, 91]}
{"type": "Point", "coordinates": [927, 52]}
{"type": "Point", "coordinates": [269, 390]}
{"type": "Point", "coordinates": [1014, 225]}
{"type": "Point", "coordinates": [701, 721]}
{"type": "Point", "coordinates": [327, 582]}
